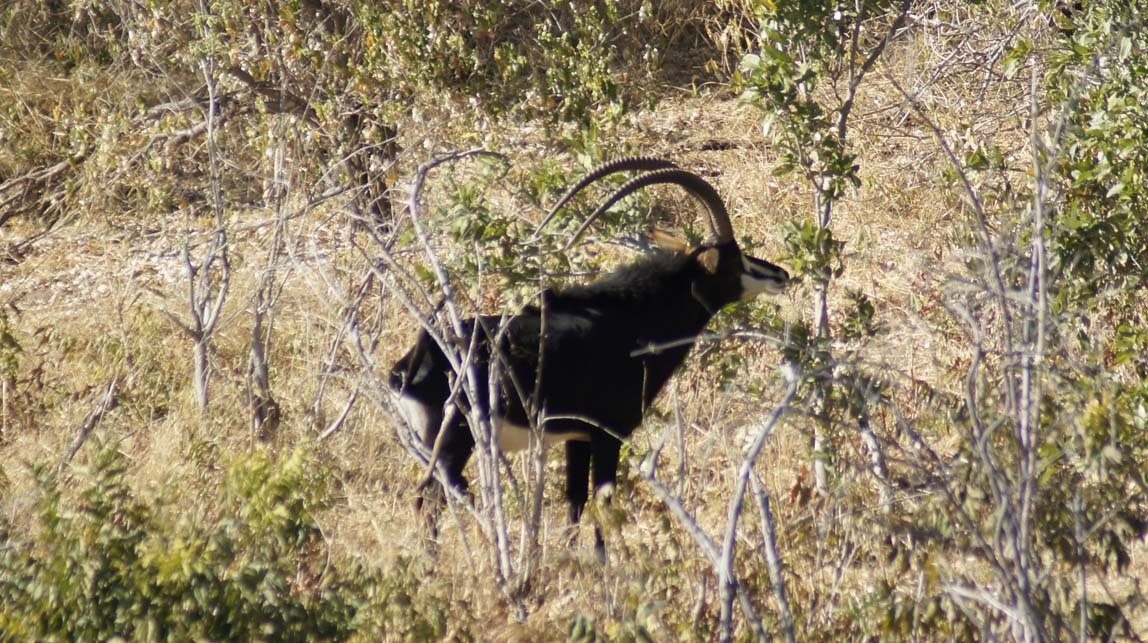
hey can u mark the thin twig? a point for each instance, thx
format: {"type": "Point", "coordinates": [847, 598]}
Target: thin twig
{"type": "Point", "coordinates": [733, 512]}
{"type": "Point", "coordinates": [723, 560]}
{"type": "Point", "coordinates": [107, 403]}
{"type": "Point", "coordinates": [773, 560]}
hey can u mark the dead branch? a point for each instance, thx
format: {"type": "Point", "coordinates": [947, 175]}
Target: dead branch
{"type": "Point", "coordinates": [28, 194]}
{"type": "Point", "coordinates": [277, 99]}
{"type": "Point", "coordinates": [107, 403]}
{"type": "Point", "coordinates": [773, 559]}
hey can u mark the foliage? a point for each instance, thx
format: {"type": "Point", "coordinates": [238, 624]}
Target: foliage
{"type": "Point", "coordinates": [1100, 234]}
{"type": "Point", "coordinates": [68, 34]}
{"type": "Point", "coordinates": [803, 47]}
{"type": "Point", "coordinates": [780, 85]}
{"type": "Point", "coordinates": [1047, 486]}
{"type": "Point", "coordinates": [812, 251]}
{"type": "Point", "coordinates": [1098, 240]}
{"type": "Point", "coordinates": [110, 563]}
{"type": "Point", "coordinates": [1092, 466]}
{"type": "Point", "coordinates": [337, 82]}
{"type": "Point", "coordinates": [553, 60]}
{"type": "Point", "coordinates": [800, 43]}
{"type": "Point", "coordinates": [1086, 446]}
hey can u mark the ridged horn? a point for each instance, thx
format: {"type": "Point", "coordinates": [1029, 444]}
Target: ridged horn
{"type": "Point", "coordinates": [719, 222]}
{"type": "Point", "coordinates": [630, 163]}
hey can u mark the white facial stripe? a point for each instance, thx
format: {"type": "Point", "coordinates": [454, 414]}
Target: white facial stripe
{"type": "Point", "coordinates": [515, 437]}
{"type": "Point", "coordinates": [753, 286]}
{"type": "Point", "coordinates": [757, 279]}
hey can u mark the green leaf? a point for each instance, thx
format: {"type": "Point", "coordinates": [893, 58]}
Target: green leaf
{"type": "Point", "coordinates": [1016, 57]}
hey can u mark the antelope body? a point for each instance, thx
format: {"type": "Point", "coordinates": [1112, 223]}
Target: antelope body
{"type": "Point", "coordinates": [584, 364]}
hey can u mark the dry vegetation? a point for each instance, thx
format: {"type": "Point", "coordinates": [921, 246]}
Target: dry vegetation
{"type": "Point", "coordinates": [94, 290]}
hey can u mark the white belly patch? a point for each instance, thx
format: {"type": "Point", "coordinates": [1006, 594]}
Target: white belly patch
{"type": "Point", "coordinates": [515, 437]}
{"type": "Point", "coordinates": [416, 414]}
{"type": "Point", "coordinates": [511, 437]}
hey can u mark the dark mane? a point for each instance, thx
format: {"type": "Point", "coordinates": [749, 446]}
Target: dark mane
{"type": "Point", "coordinates": [633, 282]}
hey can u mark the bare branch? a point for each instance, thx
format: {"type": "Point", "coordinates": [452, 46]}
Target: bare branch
{"type": "Point", "coordinates": [773, 559]}
{"type": "Point", "coordinates": [107, 403]}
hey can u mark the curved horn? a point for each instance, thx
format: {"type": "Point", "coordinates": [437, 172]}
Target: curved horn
{"type": "Point", "coordinates": [719, 222]}
{"type": "Point", "coordinates": [642, 163]}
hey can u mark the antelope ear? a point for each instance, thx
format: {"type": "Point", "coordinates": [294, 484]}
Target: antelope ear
{"type": "Point", "coordinates": [667, 240]}
{"type": "Point", "coordinates": [709, 260]}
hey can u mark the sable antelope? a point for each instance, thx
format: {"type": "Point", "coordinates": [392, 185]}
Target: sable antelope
{"type": "Point", "coordinates": [604, 349]}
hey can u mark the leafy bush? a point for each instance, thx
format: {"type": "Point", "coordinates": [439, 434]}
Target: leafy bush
{"type": "Point", "coordinates": [1100, 237]}
{"type": "Point", "coordinates": [337, 82]}
{"type": "Point", "coordinates": [552, 59]}
{"type": "Point", "coordinates": [108, 564]}
{"type": "Point", "coordinates": [1098, 241]}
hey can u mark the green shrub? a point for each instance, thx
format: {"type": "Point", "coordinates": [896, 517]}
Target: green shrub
{"type": "Point", "coordinates": [108, 562]}
{"type": "Point", "coordinates": [1100, 234]}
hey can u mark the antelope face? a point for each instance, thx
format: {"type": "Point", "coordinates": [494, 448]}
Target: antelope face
{"type": "Point", "coordinates": [735, 276]}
